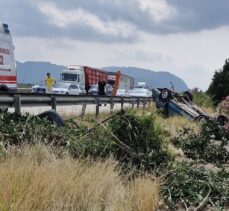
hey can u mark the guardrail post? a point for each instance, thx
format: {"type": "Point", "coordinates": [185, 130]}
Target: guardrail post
{"type": "Point", "coordinates": [122, 103]}
{"type": "Point", "coordinates": [138, 102]}
{"type": "Point", "coordinates": [53, 103]}
{"type": "Point", "coordinates": [111, 105]}
{"type": "Point", "coordinates": [149, 102]}
{"type": "Point", "coordinates": [17, 104]}
{"type": "Point", "coordinates": [133, 103]}
{"type": "Point", "coordinates": [144, 103]}
{"type": "Point", "coordinates": [97, 106]}
{"type": "Point", "coordinates": [83, 109]}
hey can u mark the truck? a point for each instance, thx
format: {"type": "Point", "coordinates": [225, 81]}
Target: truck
{"type": "Point", "coordinates": [8, 76]}
{"type": "Point", "coordinates": [125, 82]}
{"type": "Point", "coordinates": [83, 76]}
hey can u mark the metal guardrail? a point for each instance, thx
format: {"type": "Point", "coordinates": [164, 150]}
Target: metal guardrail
{"type": "Point", "coordinates": [19, 100]}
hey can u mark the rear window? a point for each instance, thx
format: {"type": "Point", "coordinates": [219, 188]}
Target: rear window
{"type": "Point", "coordinates": [5, 54]}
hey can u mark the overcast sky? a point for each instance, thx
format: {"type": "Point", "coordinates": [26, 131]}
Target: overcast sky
{"type": "Point", "coordinates": [188, 38]}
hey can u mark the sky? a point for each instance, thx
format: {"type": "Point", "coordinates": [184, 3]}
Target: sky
{"type": "Point", "coordinates": [188, 38]}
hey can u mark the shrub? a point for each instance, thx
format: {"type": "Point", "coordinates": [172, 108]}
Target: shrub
{"type": "Point", "coordinates": [21, 129]}
{"type": "Point", "coordinates": [188, 185]}
{"type": "Point", "coordinates": [202, 99]}
{"type": "Point", "coordinates": [142, 142]}
{"type": "Point", "coordinates": [223, 106]}
{"type": "Point", "coordinates": [208, 145]}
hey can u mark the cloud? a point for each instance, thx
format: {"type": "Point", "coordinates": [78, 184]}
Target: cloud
{"type": "Point", "coordinates": [112, 20]}
{"type": "Point", "coordinates": [158, 9]}
{"type": "Point", "coordinates": [196, 15]}
{"type": "Point", "coordinates": [69, 18]}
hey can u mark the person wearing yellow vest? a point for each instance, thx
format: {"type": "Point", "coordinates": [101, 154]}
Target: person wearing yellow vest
{"type": "Point", "coordinates": [49, 82]}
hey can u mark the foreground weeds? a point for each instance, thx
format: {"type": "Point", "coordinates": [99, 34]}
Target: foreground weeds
{"type": "Point", "coordinates": [209, 145]}
{"type": "Point", "coordinates": [35, 179]}
{"type": "Point", "coordinates": [79, 174]}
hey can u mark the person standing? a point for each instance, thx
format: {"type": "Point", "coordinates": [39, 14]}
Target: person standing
{"type": "Point", "coordinates": [49, 83]}
{"type": "Point", "coordinates": [101, 88]}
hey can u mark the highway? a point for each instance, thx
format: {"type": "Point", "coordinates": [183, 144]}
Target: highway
{"type": "Point", "coordinates": [70, 110]}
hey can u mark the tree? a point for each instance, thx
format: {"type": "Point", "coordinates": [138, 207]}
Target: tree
{"type": "Point", "coordinates": [219, 87]}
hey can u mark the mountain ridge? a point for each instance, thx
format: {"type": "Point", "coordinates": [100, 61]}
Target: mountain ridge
{"type": "Point", "coordinates": [34, 73]}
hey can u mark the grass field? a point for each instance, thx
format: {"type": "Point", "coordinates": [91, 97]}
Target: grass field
{"type": "Point", "coordinates": [135, 161]}
{"type": "Point", "coordinates": [35, 179]}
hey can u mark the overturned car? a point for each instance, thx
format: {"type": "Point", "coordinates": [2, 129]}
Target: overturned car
{"type": "Point", "coordinates": [174, 103]}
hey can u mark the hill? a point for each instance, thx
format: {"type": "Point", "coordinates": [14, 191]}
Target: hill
{"type": "Point", "coordinates": [35, 72]}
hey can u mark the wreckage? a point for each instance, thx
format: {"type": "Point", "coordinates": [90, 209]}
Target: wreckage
{"type": "Point", "coordinates": [174, 103]}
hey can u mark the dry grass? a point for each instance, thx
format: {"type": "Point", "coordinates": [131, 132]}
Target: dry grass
{"type": "Point", "coordinates": [176, 123]}
{"type": "Point", "coordinates": [35, 179]}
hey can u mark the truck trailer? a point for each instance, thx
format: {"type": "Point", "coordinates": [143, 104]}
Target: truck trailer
{"type": "Point", "coordinates": [83, 76]}
{"type": "Point", "coordinates": [8, 77]}
{"type": "Point", "coordinates": [125, 82]}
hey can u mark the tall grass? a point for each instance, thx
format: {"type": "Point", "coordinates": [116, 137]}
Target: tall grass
{"type": "Point", "coordinates": [35, 179]}
{"type": "Point", "coordinates": [175, 124]}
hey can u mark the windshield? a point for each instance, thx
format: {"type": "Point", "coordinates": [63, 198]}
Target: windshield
{"type": "Point", "coordinates": [94, 86]}
{"type": "Point", "coordinates": [137, 90]}
{"type": "Point", "coordinates": [141, 87]}
{"type": "Point", "coordinates": [121, 90]}
{"type": "Point", "coordinates": [63, 86]}
{"type": "Point", "coordinates": [69, 77]}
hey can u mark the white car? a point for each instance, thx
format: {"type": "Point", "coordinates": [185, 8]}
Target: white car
{"type": "Point", "coordinates": [122, 93]}
{"type": "Point", "coordinates": [68, 88]}
{"type": "Point", "coordinates": [38, 89]}
{"type": "Point", "coordinates": [140, 92]}
{"type": "Point", "coordinates": [94, 90]}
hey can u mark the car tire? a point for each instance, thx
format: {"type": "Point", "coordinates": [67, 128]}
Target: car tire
{"type": "Point", "coordinates": [188, 96]}
{"type": "Point", "coordinates": [165, 95]}
{"type": "Point", "coordinates": [53, 117]}
{"type": "Point", "coordinates": [222, 119]}
{"type": "Point", "coordinates": [3, 110]}
{"type": "Point", "coordinates": [201, 118]}
{"type": "Point", "coordinates": [4, 89]}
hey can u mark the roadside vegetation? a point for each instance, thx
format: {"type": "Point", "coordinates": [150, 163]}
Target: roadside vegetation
{"type": "Point", "coordinates": [203, 100]}
{"type": "Point", "coordinates": [129, 160]}
{"type": "Point", "coordinates": [35, 178]}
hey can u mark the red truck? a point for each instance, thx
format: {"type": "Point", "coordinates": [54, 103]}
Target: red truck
{"type": "Point", "coordinates": [83, 76]}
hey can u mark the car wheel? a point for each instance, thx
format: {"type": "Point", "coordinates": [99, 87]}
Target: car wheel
{"type": "Point", "coordinates": [165, 95]}
{"type": "Point", "coordinates": [67, 93]}
{"type": "Point", "coordinates": [3, 88]}
{"type": "Point", "coordinates": [222, 119]}
{"type": "Point", "coordinates": [3, 110]}
{"type": "Point", "coordinates": [53, 117]}
{"type": "Point", "coordinates": [202, 119]}
{"type": "Point", "coordinates": [188, 96]}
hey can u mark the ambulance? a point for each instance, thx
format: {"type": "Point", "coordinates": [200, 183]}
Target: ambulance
{"type": "Point", "coordinates": [8, 76]}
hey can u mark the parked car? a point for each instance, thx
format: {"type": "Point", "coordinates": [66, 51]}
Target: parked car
{"type": "Point", "coordinates": [94, 90]}
{"type": "Point", "coordinates": [140, 92]}
{"type": "Point", "coordinates": [122, 93]}
{"type": "Point", "coordinates": [68, 88]}
{"type": "Point", "coordinates": [38, 89]}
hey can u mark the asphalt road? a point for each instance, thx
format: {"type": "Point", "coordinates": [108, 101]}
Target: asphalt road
{"type": "Point", "coordinates": [68, 111]}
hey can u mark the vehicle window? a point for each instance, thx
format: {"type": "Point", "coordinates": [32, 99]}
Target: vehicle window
{"type": "Point", "coordinates": [64, 86]}
{"type": "Point", "coordinates": [137, 90]}
{"type": "Point", "coordinates": [69, 77]}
